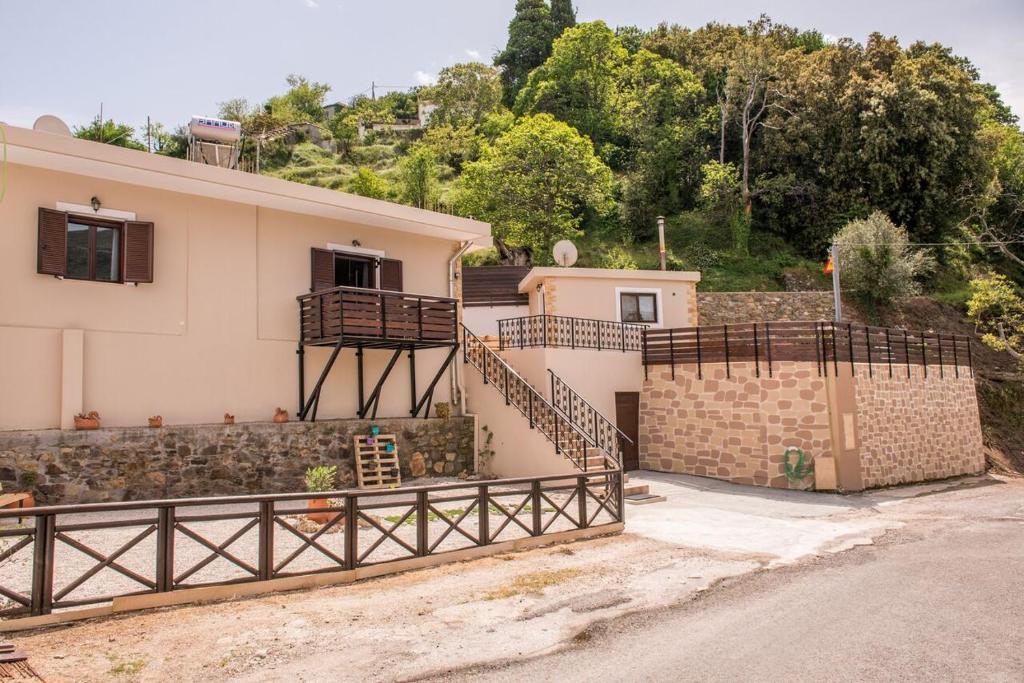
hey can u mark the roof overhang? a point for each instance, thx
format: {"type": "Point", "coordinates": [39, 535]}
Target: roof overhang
{"type": "Point", "coordinates": [537, 275]}
{"type": "Point", "coordinates": [107, 162]}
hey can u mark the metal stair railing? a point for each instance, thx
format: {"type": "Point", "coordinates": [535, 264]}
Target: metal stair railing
{"type": "Point", "coordinates": [602, 431]}
{"type": "Point", "coordinates": [569, 440]}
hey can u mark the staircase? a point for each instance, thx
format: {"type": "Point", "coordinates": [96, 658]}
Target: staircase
{"type": "Point", "coordinates": [570, 436]}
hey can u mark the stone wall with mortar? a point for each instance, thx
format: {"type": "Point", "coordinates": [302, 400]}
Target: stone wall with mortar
{"type": "Point", "coordinates": [202, 460]}
{"type": "Point", "coordinates": [737, 427]}
{"type": "Point", "coordinates": [917, 429]}
{"type": "Point", "coordinates": [727, 308]}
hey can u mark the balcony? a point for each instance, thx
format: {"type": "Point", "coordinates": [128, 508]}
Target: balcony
{"type": "Point", "coordinates": [374, 318]}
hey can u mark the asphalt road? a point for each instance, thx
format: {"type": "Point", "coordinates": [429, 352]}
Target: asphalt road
{"type": "Point", "coordinates": [940, 599]}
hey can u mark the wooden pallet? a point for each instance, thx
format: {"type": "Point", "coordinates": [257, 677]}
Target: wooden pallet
{"type": "Point", "coordinates": [376, 468]}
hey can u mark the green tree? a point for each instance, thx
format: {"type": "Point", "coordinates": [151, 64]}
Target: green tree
{"type": "Point", "coordinates": [995, 215]}
{"type": "Point", "coordinates": [304, 101]}
{"type": "Point", "coordinates": [661, 112]}
{"type": "Point", "coordinates": [464, 94]}
{"type": "Point", "coordinates": [578, 84]}
{"type": "Point", "coordinates": [167, 143]}
{"type": "Point", "coordinates": [997, 309]}
{"type": "Point", "coordinates": [109, 133]}
{"type": "Point", "coordinates": [536, 184]}
{"type": "Point", "coordinates": [529, 43]}
{"type": "Point", "coordinates": [877, 263]}
{"type": "Point", "coordinates": [563, 16]}
{"type": "Point", "coordinates": [722, 200]}
{"type": "Point", "coordinates": [417, 177]}
{"type": "Point", "coordinates": [453, 145]}
{"type": "Point", "coordinates": [237, 109]}
{"type": "Point", "coordinates": [367, 183]}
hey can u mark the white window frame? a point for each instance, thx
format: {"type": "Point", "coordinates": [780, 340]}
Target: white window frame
{"type": "Point", "coordinates": [357, 251]}
{"type": "Point", "coordinates": [658, 302]}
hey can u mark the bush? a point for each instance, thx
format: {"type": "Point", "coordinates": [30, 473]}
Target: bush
{"type": "Point", "coordinates": [997, 308]}
{"type": "Point", "coordinates": [877, 264]}
{"type": "Point", "coordinates": [322, 478]}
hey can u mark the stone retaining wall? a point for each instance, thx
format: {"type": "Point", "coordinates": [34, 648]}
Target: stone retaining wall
{"type": "Point", "coordinates": [201, 460]}
{"type": "Point", "coordinates": [727, 308]}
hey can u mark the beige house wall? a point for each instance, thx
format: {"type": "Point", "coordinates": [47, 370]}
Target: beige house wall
{"type": "Point", "coordinates": [215, 332]}
{"type": "Point", "coordinates": [593, 293]}
{"type": "Point", "coordinates": [874, 430]}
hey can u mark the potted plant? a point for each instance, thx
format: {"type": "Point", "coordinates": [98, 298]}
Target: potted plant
{"type": "Point", "coordinates": [229, 419]}
{"type": "Point", "coordinates": [443, 410]}
{"type": "Point", "coordinates": [90, 420]}
{"type": "Point", "coordinates": [156, 421]}
{"type": "Point", "coordinates": [280, 415]}
{"type": "Point", "coordinates": [320, 479]}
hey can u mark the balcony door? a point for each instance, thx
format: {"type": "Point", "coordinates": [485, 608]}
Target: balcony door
{"type": "Point", "coordinates": [343, 269]}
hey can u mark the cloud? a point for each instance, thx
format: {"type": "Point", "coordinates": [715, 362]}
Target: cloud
{"type": "Point", "coordinates": [312, 4]}
{"type": "Point", "coordinates": [473, 54]}
{"type": "Point", "coordinates": [424, 78]}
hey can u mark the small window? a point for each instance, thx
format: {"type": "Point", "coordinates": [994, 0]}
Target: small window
{"type": "Point", "coordinates": [94, 251]}
{"type": "Point", "coordinates": [639, 308]}
{"type": "Point", "coordinates": [353, 272]}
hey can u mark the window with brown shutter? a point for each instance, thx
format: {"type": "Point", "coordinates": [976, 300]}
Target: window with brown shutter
{"type": "Point", "coordinates": [53, 242]}
{"type": "Point", "coordinates": [322, 269]}
{"type": "Point", "coordinates": [138, 252]}
{"type": "Point", "coordinates": [391, 275]}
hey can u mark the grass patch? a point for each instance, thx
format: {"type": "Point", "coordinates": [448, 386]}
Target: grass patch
{"type": "Point", "coordinates": [533, 584]}
{"type": "Point", "coordinates": [125, 667]}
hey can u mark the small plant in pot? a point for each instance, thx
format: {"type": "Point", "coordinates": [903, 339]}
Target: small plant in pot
{"type": "Point", "coordinates": [320, 479]}
{"type": "Point", "coordinates": [280, 416]}
{"type": "Point", "coordinates": [156, 421]}
{"type": "Point", "coordinates": [90, 420]}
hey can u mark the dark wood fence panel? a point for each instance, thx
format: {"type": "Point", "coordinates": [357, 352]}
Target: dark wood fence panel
{"type": "Point", "coordinates": [493, 286]}
{"type": "Point", "coordinates": [828, 344]}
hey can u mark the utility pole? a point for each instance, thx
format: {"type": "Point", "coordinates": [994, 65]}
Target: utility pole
{"type": "Point", "coordinates": [149, 136]}
{"type": "Point", "coordinates": [373, 91]}
{"type": "Point", "coordinates": [661, 242]}
{"type": "Point", "coordinates": [838, 300]}
{"type": "Point", "coordinates": [100, 133]}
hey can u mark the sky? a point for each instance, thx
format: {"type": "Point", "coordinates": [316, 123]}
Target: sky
{"type": "Point", "coordinates": [170, 59]}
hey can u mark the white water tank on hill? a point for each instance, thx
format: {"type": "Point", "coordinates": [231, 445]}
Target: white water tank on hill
{"type": "Point", "coordinates": [215, 130]}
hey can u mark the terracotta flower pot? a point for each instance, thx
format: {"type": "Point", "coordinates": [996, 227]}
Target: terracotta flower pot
{"type": "Point", "coordinates": [229, 419]}
{"type": "Point", "coordinates": [280, 416]}
{"type": "Point", "coordinates": [320, 517]}
{"type": "Point", "coordinates": [156, 421]}
{"type": "Point", "coordinates": [90, 421]}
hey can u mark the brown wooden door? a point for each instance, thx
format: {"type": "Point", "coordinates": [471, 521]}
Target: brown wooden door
{"type": "Point", "coordinates": [627, 418]}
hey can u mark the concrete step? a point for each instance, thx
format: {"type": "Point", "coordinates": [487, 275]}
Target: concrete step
{"type": "Point", "coordinates": [644, 499]}
{"type": "Point", "coordinates": [635, 489]}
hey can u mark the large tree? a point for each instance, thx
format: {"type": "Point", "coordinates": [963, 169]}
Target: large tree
{"type": "Point", "coordinates": [529, 43]}
{"type": "Point", "coordinates": [109, 133]}
{"type": "Point", "coordinates": [563, 16]}
{"type": "Point", "coordinates": [536, 184]}
{"type": "Point", "coordinates": [464, 94]}
{"type": "Point", "coordinates": [578, 84]}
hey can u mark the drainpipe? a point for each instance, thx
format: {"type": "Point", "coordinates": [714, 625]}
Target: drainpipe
{"type": "Point", "coordinates": [457, 389]}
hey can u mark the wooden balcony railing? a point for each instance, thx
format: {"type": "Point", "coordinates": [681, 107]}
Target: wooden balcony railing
{"type": "Point", "coordinates": [559, 331]}
{"type": "Point", "coordinates": [828, 344]}
{"type": "Point", "coordinates": [374, 317]}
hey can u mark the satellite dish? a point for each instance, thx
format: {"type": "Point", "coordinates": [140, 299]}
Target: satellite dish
{"type": "Point", "coordinates": [565, 253]}
{"type": "Point", "coordinates": [47, 123]}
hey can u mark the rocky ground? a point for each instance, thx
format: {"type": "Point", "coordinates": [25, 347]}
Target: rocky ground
{"type": "Point", "coordinates": [451, 620]}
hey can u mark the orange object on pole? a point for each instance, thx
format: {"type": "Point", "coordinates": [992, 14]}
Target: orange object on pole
{"type": "Point", "coordinates": [828, 266]}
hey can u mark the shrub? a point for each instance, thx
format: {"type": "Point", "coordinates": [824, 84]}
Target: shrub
{"type": "Point", "coordinates": [322, 478]}
{"type": "Point", "coordinates": [877, 263]}
{"type": "Point", "coordinates": [997, 309]}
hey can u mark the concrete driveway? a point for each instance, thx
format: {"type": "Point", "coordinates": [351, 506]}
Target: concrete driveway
{"type": "Point", "coordinates": [501, 615]}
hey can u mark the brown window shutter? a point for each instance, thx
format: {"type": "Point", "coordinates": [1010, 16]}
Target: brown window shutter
{"type": "Point", "coordinates": [138, 252]}
{"type": "Point", "coordinates": [391, 275]}
{"type": "Point", "coordinates": [322, 269]}
{"type": "Point", "coordinates": [52, 248]}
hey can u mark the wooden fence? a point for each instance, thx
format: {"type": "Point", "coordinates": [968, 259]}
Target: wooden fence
{"type": "Point", "coordinates": [828, 344]}
{"type": "Point", "coordinates": [59, 558]}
